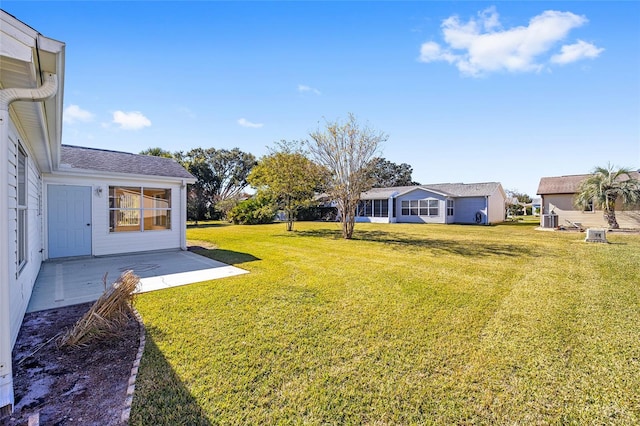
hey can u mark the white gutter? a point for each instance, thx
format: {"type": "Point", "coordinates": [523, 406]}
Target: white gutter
{"type": "Point", "coordinates": [8, 96]}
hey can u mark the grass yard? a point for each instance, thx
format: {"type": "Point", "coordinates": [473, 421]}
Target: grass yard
{"type": "Point", "coordinates": [405, 324]}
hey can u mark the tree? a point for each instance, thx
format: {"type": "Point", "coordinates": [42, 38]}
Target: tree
{"type": "Point", "coordinates": [386, 174]}
{"type": "Point", "coordinates": [605, 187]}
{"type": "Point", "coordinates": [157, 152]}
{"type": "Point", "coordinates": [345, 149]}
{"type": "Point", "coordinates": [289, 177]}
{"type": "Point", "coordinates": [516, 201]}
{"type": "Point", "coordinates": [222, 176]}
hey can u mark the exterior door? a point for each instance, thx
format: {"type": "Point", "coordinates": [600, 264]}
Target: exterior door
{"type": "Point", "coordinates": [69, 220]}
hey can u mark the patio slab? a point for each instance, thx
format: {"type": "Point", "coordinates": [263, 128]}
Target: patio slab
{"type": "Point", "coordinates": [65, 282]}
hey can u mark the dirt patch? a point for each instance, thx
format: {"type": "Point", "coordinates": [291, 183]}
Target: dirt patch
{"type": "Point", "coordinates": [85, 386]}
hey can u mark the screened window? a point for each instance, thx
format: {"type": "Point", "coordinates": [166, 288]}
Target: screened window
{"type": "Point", "coordinates": [22, 208]}
{"type": "Point", "coordinates": [373, 208]}
{"type": "Point", "coordinates": [136, 209]}
{"type": "Point", "coordinates": [449, 207]}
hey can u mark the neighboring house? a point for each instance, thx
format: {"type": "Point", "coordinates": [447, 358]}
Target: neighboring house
{"type": "Point", "coordinates": [59, 201]}
{"type": "Point", "coordinates": [558, 209]}
{"type": "Point", "coordinates": [472, 203]}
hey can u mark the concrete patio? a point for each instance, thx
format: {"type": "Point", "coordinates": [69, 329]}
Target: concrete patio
{"type": "Point", "coordinates": [65, 282]}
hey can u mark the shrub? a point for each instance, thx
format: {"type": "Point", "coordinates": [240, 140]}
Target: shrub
{"type": "Point", "coordinates": [256, 210]}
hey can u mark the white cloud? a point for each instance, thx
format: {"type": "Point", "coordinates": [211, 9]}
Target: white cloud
{"type": "Point", "coordinates": [481, 45]}
{"type": "Point", "coordinates": [73, 114]}
{"type": "Point", "coordinates": [303, 88]}
{"type": "Point", "coordinates": [246, 123]}
{"type": "Point", "coordinates": [131, 120]}
{"type": "Point", "coordinates": [575, 52]}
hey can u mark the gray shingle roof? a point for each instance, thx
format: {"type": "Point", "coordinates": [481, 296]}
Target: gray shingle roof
{"type": "Point", "coordinates": [565, 184]}
{"type": "Point", "coordinates": [449, 189]}
{"type": "Point", "coordinates": [121, 162]}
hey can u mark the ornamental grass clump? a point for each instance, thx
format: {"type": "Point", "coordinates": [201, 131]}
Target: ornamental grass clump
{"type": "Point", "coordinates": [107, 315]}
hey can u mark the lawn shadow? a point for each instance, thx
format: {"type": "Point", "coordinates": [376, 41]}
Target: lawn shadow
{"type": "Point", "coordinates": [226, 256]}
{"type": "Point", "coordinates": [207, 225]}
{"type": "Point", "coordinates": [160, 396]}
{"type": "Point", "coordinates": [473, 248]}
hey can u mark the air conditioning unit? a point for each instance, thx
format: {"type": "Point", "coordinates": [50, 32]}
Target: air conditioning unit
{"type": "Point", "coordinates": [549, 220]}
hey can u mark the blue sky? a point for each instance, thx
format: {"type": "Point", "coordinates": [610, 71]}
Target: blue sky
{"type": "Point", "coordinates": [467, 91]}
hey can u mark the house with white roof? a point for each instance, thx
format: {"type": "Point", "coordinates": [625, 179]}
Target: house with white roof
{"type": "Point", "coordinates": [60, 201]}
{"type": "Point", "coordinates": [470, 203]}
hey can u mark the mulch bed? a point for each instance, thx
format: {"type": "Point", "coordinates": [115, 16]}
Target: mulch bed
{"type": "Point", "coordinates": [67, 386]}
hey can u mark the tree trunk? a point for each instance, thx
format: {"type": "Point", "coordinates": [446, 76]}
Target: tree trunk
{"type": "Point", "coordinates": [610, 217]}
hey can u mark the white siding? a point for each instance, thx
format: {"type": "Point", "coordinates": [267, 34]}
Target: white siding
{"type": "Point", "coordinates": [21, 282]}
{"type": "Point", "coordinates": [105, 242]}
{"type": "Point", "coordinates": [496, 207]}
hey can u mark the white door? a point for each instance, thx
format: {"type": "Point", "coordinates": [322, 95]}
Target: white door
{"type": "Point", "coordinates": [69, 220]}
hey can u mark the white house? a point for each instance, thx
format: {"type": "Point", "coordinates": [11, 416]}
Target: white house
{"type": "Point", "coordinates": [472, 203]}
{"type": "Point", "coordinates": [60, 201]}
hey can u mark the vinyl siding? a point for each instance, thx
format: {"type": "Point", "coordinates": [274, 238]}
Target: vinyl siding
{"type": "Point", "coordinates": [21, 282]}
{"type": "Point", "coordinates": [107, 243]}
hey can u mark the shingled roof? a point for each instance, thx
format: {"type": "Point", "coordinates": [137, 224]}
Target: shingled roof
{"type": "Point", "coordinates": [566, 184]}
{"type": "Point", "coordinates": [103, 160]}
{"type": "Point", "coordinates": [449, 189]}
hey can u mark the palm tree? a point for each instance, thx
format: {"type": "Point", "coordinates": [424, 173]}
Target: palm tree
{"type": "Point", "coordinates": [604, 187]}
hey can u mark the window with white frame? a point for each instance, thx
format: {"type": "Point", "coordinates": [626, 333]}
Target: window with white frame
{"type": "Point", "coordinates": [22, 182]}
{"type": "Point", "coordinates": [138, 209]}
{"type": "Point", "coordinates": [420, 208]}
{"type": "Point", "coordinates": [589, 207]}
{"type": "Point", "coordinates": [449, 207]}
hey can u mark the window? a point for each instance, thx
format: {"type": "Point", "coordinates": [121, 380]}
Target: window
{"type": "Point", "coordinates": [449, 207]}
{"type": "Point", "coordinates": [420, 208]}
{"type": "Point", "coordinates": [135, 209]}
{"type": "Point", "coordinates": [373, 208]}
{"type": "Point", "coordinates": [22, 208]}
{"type": "Point", "coordinates": [589, 207]}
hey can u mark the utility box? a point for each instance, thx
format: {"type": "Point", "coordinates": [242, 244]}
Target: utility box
{"type": "Point", "coordinates": [596, 236]}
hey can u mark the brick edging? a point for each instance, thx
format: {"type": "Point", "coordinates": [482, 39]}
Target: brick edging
{"type": "Point", "coordinates": [126, 412]}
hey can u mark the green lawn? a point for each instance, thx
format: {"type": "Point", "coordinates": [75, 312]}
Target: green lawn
{"type": "Point", "coordinates": [405, 324]}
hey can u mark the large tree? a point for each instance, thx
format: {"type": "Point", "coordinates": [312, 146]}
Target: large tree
{"type": "Point", "coordinates": [222, 176]}
{"type": "Point", "coordinates": [345, 149]}
{"type": "Point", "coordinates": [386, 174]}
{"type": "Point", "coordinates": [607, 186]}
{"type": "Point", "coordinates": [289, 177]}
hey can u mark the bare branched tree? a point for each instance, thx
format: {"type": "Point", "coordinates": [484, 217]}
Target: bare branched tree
{"type": "Point", "coordinates": [345, 148]}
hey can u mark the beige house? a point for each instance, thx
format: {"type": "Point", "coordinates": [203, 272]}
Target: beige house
{"type": "Point", "coordinates": [558, 209]}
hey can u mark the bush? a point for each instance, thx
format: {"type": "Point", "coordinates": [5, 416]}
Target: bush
{"type": "Point", "coordinates": [254, 211]}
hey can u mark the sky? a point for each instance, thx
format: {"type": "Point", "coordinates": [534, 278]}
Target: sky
{"type": "Point", "coordinates": [467, 91]}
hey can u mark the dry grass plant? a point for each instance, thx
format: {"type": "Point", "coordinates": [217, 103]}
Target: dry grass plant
{"type": "Point", "coordinates": [107, 315]}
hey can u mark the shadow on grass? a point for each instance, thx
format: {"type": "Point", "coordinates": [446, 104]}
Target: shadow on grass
{"type": "Point", "coordinates": [472, 248]}
{"type": "Point", "coordinates": [226, 256]}
{"type": "Point", "coordinates": [160, 397]}
{"type": "Point", "coordinates": [207, 225]}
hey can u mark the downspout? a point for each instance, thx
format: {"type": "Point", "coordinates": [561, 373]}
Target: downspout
{"type": "Point", "coordinates": [486, 204]}
{"type": "Point", "coordinates": [183, 215]}
{"type": "Point", "coordinates": [7, 96]}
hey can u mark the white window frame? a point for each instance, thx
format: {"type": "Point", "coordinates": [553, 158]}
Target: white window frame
{"type": "Point", "coordinates": [450, 208]}
{"type": "Point", "coordinates": [22, 203]}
